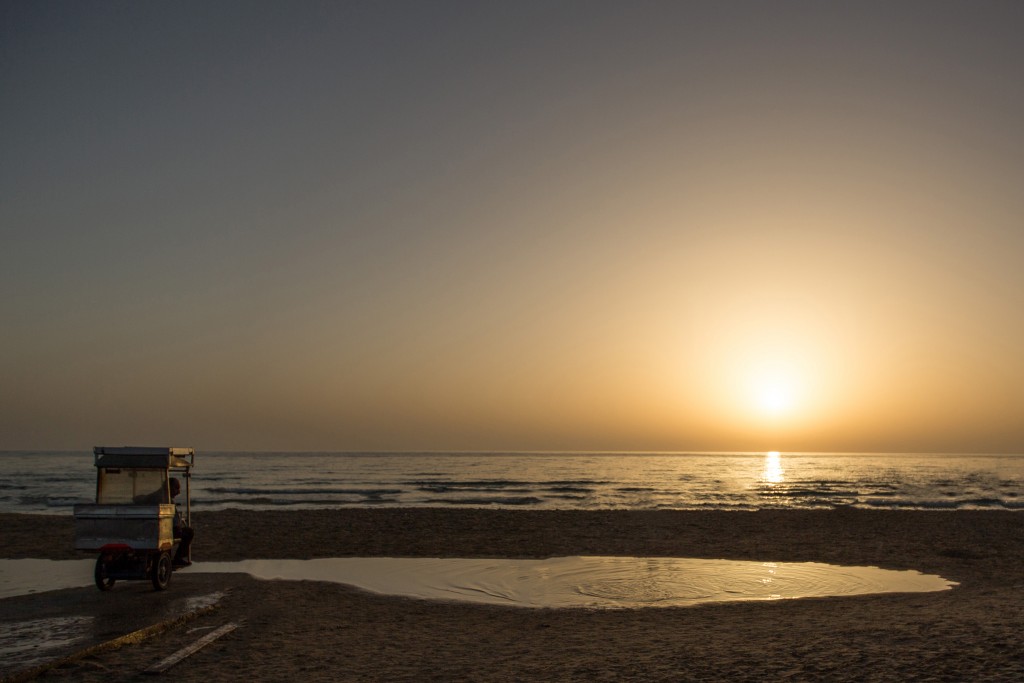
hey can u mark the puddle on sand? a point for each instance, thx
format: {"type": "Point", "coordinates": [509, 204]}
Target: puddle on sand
{"type": "Point", "coordinates": [22, 577]}
{"type": "Point", "coordinates": [198, 602]}
{"type": "Point", "coordinates": [596, 582]}
{"type": "Point", "coordinates": [25, 644]}
{"type": "Point", "coordinates": [593, 582]}
{"type": "Point", "coordinates": [36, 631]}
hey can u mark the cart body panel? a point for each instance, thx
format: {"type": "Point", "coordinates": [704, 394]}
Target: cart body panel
{"type": "Point", "coordinates": [140, 527]}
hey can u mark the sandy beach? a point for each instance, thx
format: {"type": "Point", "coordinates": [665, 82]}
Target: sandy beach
{"type": "Point", "coordinates": [331, 632]}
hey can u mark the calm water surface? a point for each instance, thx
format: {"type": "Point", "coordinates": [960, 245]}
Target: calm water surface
{"type": "Point", "coordinates": [595, 582]}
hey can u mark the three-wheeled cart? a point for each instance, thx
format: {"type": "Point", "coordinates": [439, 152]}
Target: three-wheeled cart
{"type": "Point", "coordinates": [132, 524]}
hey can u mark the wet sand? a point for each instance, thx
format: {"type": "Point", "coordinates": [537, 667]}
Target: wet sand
{"type": "Point", "coordinates": [329, 632]}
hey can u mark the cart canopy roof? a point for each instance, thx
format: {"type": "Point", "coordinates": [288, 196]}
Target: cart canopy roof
{"type": "Point", "coordinates": [161, 457]}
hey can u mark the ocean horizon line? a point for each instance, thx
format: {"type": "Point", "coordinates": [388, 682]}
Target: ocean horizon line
{"type": "Point", "coordinates": [499, 452]}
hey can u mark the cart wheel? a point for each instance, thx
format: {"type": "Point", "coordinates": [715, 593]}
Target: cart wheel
{"type": "Point", "coordinates": [103, 582]}
{"type": "Point", "coordinates": [162, 572]}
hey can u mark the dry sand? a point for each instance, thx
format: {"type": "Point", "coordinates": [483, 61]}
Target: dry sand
{"type": "Point", "coordinates": [318, 631]}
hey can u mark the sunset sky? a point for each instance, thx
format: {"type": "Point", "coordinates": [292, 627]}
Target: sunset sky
{"type": "Point", "coordinates": [512, 225]}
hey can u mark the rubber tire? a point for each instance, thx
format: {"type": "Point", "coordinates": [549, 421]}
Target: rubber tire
{"type": "Point", "coordinates": [100, 574]}
{"type": "Point", "coordinates": [162, 570]}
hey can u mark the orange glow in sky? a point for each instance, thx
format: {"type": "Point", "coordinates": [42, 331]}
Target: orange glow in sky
{"type": "Point", "coordinates": [720, 226]}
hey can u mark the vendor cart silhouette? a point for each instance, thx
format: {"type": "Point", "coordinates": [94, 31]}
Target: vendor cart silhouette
{"type": "Point", "coordinates": [182, 557]}
{"type": "Point", "coordinates": [135, 527]}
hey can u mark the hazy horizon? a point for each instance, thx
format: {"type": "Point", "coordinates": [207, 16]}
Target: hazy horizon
{"type": "Point", "coordinates": [510, 452]}
{"type": "Point", "coordinates": [536, 226]}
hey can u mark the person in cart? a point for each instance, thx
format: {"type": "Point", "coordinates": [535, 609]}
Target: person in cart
{"type": "Point", "coordinates": [185, 533]}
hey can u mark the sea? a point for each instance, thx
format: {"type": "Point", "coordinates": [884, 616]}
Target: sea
{"type": "Point", "coordinates": [52, 482]}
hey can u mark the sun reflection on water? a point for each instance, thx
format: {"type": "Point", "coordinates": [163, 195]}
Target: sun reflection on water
{"type": "Point", "coordinates": [770, 568]}
{"type": "Point", "coordinates": [773, 472]}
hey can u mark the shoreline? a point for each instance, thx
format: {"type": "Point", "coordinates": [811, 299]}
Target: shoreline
{"type": "Point", "coordinates": [331, 632]}
{"type": "Point", "coordinates": [930, 540]}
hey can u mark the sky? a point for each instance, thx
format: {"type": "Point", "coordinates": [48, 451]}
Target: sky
{"type": "Point", "coordinates": [365, 226]}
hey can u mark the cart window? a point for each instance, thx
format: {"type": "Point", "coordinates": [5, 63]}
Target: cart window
{"type": "Point", "coordinates": [132, 487]}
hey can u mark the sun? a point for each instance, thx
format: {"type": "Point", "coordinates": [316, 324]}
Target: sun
{"type": "Point", "coordinates": [774, 397]}
{"type": "Point", "coordinates": [774, 393]}
{"type": "Point", "coordinates": [766, 372]}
